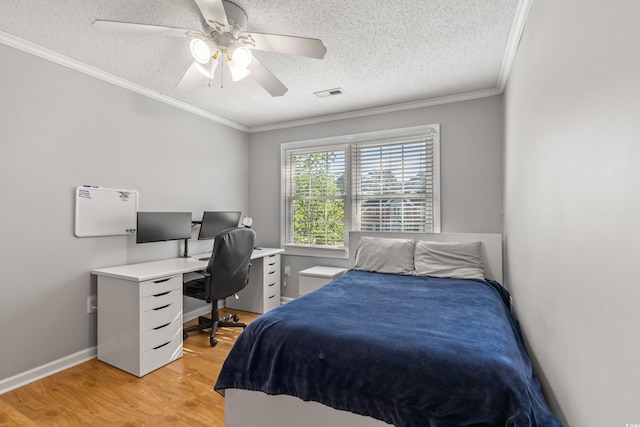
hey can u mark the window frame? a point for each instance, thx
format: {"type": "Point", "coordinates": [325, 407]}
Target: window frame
{"type": "Point", "coordinates": [348, 141]}
{"type": "Point", "coordinates": [346, 197]}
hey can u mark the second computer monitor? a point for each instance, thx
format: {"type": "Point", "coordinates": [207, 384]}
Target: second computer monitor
{"type": "Point", "coordinates": [214, 222]}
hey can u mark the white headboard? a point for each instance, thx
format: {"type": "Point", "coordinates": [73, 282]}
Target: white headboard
{"type": "Point", "coordinates": [491, 246]}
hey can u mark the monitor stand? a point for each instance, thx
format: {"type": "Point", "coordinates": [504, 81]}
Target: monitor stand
{"type": "Point", "coordinates": [186, 249]}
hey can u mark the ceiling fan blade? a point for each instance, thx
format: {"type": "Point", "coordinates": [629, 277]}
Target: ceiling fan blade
{"type": "Point", "coordinates": [267, 80]}
{"type": "Point", "coordinates": [191, 78]}
{"type": "Point", "coordinates": [132, 27]}
{"type": "Point", "coordinates": [302, 46]}
{"type": "Point", "coordinates": [214, 14]}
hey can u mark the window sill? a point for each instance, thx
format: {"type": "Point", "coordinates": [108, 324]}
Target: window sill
{"type": "Point", "coordinates": [316, 252]}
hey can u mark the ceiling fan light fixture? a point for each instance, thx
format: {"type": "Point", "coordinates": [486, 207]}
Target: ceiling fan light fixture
{"type": "Point", "coordinates": [237, 73]}
{"type": "Point", "coordinates": [242, 57]}
{"type": "Point", "coordinates": [222, 36]}
{"type": "Point", "coordinates": [200, 51]}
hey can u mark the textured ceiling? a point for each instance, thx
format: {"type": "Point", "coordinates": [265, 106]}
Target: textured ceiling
{"type": "Point", "coordinates": [380, 53]}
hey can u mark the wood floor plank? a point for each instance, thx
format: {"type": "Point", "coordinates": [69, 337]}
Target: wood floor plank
{"type": "Point", "coordinates": [97, 394]}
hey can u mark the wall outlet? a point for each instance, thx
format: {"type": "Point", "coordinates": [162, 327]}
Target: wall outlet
{"type": "Point", "coordinates": [287, 270]}
{"type": "Point", "coordinates": [92, 303]}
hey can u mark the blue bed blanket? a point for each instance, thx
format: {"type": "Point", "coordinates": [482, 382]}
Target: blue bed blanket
{"type": "Point", "coordinates": [410, 351]}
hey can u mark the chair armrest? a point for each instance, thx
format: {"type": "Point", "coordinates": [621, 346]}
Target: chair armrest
{"type": "Point", "coordinates": [207, 285]}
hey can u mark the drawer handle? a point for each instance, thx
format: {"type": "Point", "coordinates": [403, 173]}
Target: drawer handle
{"type": "Point", "coordinates": [272, 296]}
{"type": "Point", "coordinates": [271, 272]}
{"type": "Point", "coordinates": [273, 263]}
{"type": "Point", "coordinates": [162, 294]}
{"type": "Point", "coordinates": [161, 345]}
{"type": "Point", "coordinates": [271, 284]}
{"type": "Point", "coordinates": [162, 307]}
{"type": "Point", "coordinates": [162, 280]}
{"type": "Point", "coordinates": [162, 326]}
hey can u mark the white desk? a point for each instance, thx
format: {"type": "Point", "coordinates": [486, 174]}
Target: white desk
{"type": "Point", "coordinates": [140, 308]}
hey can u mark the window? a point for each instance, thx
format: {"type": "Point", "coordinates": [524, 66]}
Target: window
{"type": "Point", "coordinates": [381, 181]}
{"type": "Point", "coordinates": [393, 185]}
{"type": "Point", "coordinates": [316, 196]}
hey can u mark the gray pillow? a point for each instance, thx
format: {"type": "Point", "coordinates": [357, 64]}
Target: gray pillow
{"type": "Point", "coordinates": [385, 255]}
{"type": "Point", "coordinates": [459, 260]}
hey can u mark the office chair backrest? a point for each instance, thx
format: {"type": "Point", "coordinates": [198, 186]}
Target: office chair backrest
{"type": "Point", "coordinates": [229, 263]}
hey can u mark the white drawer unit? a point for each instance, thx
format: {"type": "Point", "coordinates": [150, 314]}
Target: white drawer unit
{"type": "Point", "coordinates": [263, 292]}
{"type": "Point", "coordinates": [140, 307]}
{"type": "Point", "coordinates": [139, 322]}
{"type": "Point", "coordinates": [316, 277]}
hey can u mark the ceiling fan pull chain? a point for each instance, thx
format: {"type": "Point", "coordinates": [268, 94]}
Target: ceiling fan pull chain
{"type": "Point", "coordinates": [210, 72]}
{"type": "Point", "coordinates": [224, 55]}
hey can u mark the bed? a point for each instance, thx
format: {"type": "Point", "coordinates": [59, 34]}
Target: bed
{"type": "Point", "coordinates": [411, 336]}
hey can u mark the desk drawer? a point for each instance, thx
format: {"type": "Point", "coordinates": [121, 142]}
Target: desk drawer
{"type": "Point", "coordinates": [271, 264]}
{"type": "Point", "coordinates": [160, 335]}
{"type": "Point", "coordinates": [271, 293]}
{"type": "Point", "coordinates": [160, 356]}
{"type": "Point", "coordinates": [158, 286]}
{"type": "Point", "coordinates": [162, 315]}
{"type": "Point", "coordinates": [161, 299]}
{"type": "Point", "coordinates": [271, 278]}
{"type": "Point", "coordinates": [271, 301]}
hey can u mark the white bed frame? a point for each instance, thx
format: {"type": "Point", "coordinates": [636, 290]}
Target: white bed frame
{"type": "Point", "coordinates": [244, 408]}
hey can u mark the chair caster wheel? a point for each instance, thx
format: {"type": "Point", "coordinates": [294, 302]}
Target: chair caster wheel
{"type": "Point", "coordinates": [235, 318]}
{"type": "Point", "coordinates": [213, 341]}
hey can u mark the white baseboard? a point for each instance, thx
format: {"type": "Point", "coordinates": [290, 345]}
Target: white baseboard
{"type": "Point", "coordinates": [48, 369]}
{"type": "Point", "coordinates": [72, 360]}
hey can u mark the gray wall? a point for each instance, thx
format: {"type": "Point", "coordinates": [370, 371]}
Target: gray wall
{"type": "Point", "coordinates": [471, 147]}
{"type": "Point", "coordinates": [60, 129]}
{"type": "Point", "coordinates": [572, 205]}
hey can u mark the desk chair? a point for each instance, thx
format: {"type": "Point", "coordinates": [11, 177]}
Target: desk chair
{"type": "Point", "coordinates": [226, 274]}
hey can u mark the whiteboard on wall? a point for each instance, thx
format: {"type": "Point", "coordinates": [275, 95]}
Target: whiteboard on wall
{"type": "Point", "coordinates": [105, 211]}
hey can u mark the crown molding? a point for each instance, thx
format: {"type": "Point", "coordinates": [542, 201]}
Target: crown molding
{"type": "Point", "coordinates": [65, 61]}
{"type": "Point", "coordinates": [466, 96]}
{"type": "Point", "coordinates": [517, 29]}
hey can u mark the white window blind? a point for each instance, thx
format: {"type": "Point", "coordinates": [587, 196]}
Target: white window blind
{"type": "Point", "coordinates": [393, 185]}
{"type": "Point", "coordinates": [316, 196]}
{"type": "Point", "coordinates": [378, 181]}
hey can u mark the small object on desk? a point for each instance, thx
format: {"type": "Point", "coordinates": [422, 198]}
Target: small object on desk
{"type": "Point", "coordinates": [256, 248]}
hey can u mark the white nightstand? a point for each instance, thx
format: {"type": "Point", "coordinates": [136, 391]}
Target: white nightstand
{"type": "Point", "coordinates": [318, 276]}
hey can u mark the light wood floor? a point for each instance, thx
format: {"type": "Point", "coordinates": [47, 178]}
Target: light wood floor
{"type": "Point", "coordinates": [96, 394]}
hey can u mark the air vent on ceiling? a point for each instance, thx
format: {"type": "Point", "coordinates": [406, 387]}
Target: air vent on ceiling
{"type": "Point", "coordinates": [328, 92]}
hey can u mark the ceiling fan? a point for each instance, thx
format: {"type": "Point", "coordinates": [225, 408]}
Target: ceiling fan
{"type": "Point", "coordinates": [223, 39]}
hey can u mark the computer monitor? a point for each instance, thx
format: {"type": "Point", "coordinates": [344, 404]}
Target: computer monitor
{"type": "Point", "coordinates": [214, 222]}
{"type": "Point", "coordinates": [163, 226]}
